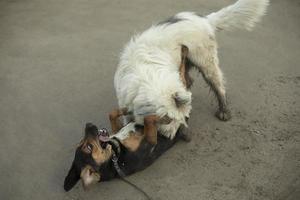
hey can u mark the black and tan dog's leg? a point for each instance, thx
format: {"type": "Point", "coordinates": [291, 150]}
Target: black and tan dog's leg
{"type": "Point", "coordinates": [150, 128]}
{"type": "Point", "coordinates": [182, 67]}
{"type": "Point", "coordinates": [115, 123]}
{"type": "Point", "coordinates": [185, 67]}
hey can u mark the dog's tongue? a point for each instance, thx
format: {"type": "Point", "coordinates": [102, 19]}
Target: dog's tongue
{"type": "Point", "coordinates": [103, 135]}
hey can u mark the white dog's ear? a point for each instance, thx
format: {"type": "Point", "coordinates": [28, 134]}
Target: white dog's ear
{"type": "Point", "coordinates": [182, 98]}
{"type": "Point", "coordinates": [89, 176]}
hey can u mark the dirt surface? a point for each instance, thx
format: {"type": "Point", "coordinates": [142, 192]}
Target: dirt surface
{"type": "Point", "coordinates": [57, 61]}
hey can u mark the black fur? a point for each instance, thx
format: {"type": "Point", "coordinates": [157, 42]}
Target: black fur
{"type": "Point", "coordinates": [170, 20]}
{"type": "Point", "coordinates": [145, 155]}
{"type": "Point", "coordinates": [72, 178]}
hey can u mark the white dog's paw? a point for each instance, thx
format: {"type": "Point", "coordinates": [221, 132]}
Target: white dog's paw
{"type": "Point", "coordinates": [223, 115]}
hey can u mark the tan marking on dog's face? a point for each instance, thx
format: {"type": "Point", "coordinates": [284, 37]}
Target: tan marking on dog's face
{"type": "Point", "coordinates": [92, 146]}
{"type": "Point", "coordinates": [133, 141]}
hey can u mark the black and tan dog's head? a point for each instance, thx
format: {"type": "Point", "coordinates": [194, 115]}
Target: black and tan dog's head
{"type": "Point", "coordinates": [91, 161]}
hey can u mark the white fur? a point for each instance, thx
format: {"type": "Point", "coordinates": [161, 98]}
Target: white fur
{"type": "Point", "coordinates": [242, 14]}
{"type": "Point", "coordinates": [125, 131]}
{"type": "Point", "coordinates": [147, 76]}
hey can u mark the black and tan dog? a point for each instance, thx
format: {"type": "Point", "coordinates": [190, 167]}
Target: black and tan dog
{"type": "Point", "coordinates": [97, 159]}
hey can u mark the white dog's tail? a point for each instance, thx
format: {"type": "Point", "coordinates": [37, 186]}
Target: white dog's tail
{"type": "Point", "coordinates": [241, 15]}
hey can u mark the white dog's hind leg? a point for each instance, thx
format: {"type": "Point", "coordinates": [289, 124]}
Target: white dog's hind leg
{"type": "Point", "coordinates": [207, 62]}
{"type": "Point", "coordinates": [213, 76]}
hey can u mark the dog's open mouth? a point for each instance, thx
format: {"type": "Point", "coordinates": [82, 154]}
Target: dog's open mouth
{"type": "Point", "coordinates": [103, 135]}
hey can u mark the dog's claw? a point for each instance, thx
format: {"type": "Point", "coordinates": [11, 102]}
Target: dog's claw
{"type": "Point", "coordinates": [223, 115]}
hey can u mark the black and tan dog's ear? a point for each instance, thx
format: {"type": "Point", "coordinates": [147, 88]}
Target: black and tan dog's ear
{"type": "Point", "coordinates": [72, 178]}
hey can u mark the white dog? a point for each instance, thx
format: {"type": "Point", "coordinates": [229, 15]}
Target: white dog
{"type": "Point", "coordinates": [148, 80]}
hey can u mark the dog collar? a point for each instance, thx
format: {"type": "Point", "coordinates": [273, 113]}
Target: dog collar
{"type": "Point", "coordinates": [114, 159]}
{"type": "Point", "coordinates": [115, 145]}
{"type": "Point", "coordinates": [116, 151]}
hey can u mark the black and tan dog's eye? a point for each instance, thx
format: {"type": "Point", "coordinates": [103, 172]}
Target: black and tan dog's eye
{"type": "Point", "coordinates": [89, 147]}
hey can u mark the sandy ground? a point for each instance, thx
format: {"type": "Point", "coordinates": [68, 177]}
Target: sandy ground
{"type": "Point", "coordinates": [57, 61]}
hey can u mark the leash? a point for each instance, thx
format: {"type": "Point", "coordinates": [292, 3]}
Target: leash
{"type": "Point", "coordinates": [121, 173]}
{"type": "Point", "coordinates": [104, 137]}
{"type": "Point", "coordinates": [136, 187]}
